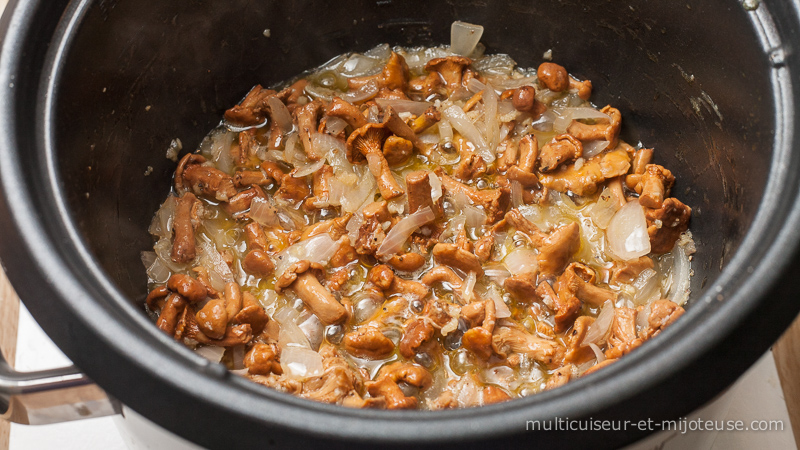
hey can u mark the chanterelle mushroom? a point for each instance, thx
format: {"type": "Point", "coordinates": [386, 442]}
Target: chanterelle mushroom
{"type": "Point", "coordinates": [366, 143]}
{"type": "Point", "coordinates": [302, 278]}
{"type": "Point", "coordinates": [450, 68]}
{"type": "Point", "coordinates": [393, 76]}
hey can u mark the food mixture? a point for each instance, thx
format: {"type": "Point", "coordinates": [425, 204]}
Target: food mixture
{"type": "Point", "coordinates": [419, 228]}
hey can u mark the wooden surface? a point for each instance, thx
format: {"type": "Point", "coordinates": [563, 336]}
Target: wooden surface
{"type": "Point", "coordinates": [787, 359]}
{"type": "Point", "coordinates": [9, 315]}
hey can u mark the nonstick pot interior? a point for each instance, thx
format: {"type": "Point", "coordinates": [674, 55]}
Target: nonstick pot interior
{"type": "Point", "coordinates": [99, 89]}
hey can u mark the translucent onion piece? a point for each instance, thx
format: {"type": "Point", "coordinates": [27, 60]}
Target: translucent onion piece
{"type": "Point", "coordinates": [501, 309]}
{"type": "Point", "coordinates": [578, 113]}
{"type": "Point", "coordinates": [498, 274]}
{"type": "Point", "coordinates": [359, 65]}
{"type": "Point", "coordinates": [436, 186]}
{"type": "Point", "coordinates": [301, 362]}
{"type": "Point", "coordinates": [493, 65]}
{"type": "Point", "coordinates": [399, 233]}
{"type": "Point", "coordinates": [469, 286]}
{"type": "Point", "coordinates": [603, 210]}
{"type": "Point", "coordinates": [290, 218]}
{"type": "Point", "coordinates": [148, 258]}
{"type": "Point", "coordinates": [445, 131]}
{"type": "Point", "coordinates": [280, 114]}
{"type": "Point", "coordinates": [404, 106]}
{"type": "Point", "coordinates": [221, 150]}
{"type": "Point", "coordinates": [597, 353]}
{"type": "Point", "coordinates": [335, 125]}
{"type": "Point", "coordinates": [308, 169]}
{"type": "Point", "coordinates": [492, 125]}
{"type": "Point", "coordinates": [361, 94]}
{"type": "Point", "coordinates": [314, 331]}
{"type": "Point", "coordinates": [627, 232]}
{"type": "Point", "coordinates": [158, 272]}
{"type": "Point", "coordinates": [475, 86]}
{"type": "Point", "coordinates": [218, 270]}
{"type": "Point", "coordinates": [592, 148]}
{"type": "Point", "coordinates": [463, 125]}
{"type": "Point", "coordinates": [263, 212]}
{"type": "Point", "coordinates": [646, 285]}
{"type": "Point", "coordinates": [294, 153]}
{"type": "Point", "coordinates": [211, 353]}
{"type": "Point", "coordinates": [318, 249]}
{"type": "Point", "coordinates": [365, 190]}
{"type": "Point", "coordinates": [521, 260]}
{"type": "Point", "coordinates": [642, 318]}
{"type": "Point", "coordinates": [464, 37]}
{"type": "Point", "coordinates": [161, 225]}
{"type": "Point", "coordinates": [681, 267]}
{"type": "Point", "coordinates": [475, 217]}
{"type": "Point", "coordinates": [598, 330]}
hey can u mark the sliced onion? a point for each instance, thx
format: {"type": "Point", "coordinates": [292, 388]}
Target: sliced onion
{"type": "Point", "coordinates": [335, 125]}
{"type": "Point", "coordinates": [280, 114]}
{"type": "Point", "coordinates": [598, 330]}
{"type": "Point", "coordinates": [492, 125]}
{"type": "Point", "coordinates": [469, 286]}
{"type": "Point", "coordinates": [445, 131]}
{"type": "Point", "coordinates": [221, 150]}
{"type": "Point", "coordinates": [289, 217]}
{"type": "Point", "coordinates": [592, 148]}
{"type": "Point", "coordinates": [603, 210]}
{"type": "Point", "coordinates": [681, 267]}
{"type": "Point", "coordinates": [493, 65]}
{"type": "Point", "coordinates": [211, 352]}
{"type": "Point", "coordinates": [646, 285]}
{"type": "Point", "coordinates": [325, 144]}
{"type": "Point", "coordinates": [148, 258]}
{"type": "Point", "coordinates": [642, 320]}
{"type": "Point", "coordinates": [498, 274]}
{"type": "Point", "coordinates": [365, 190]}
{"type": "Point", "coordinates": [500, 307]}
{"type": "Point", "coordinates": [404, 106]}
{"type": "Point", "coordinates": [364, 93]}
{"type": "Point", "coordinates": [504, 83]}
{"type": "Point", "coordinates": [436, 186]}
{"type": "Point", "coordinates": [475, 217]}
{"type": "Point", "coordinates": [161, 225]}
{"type": "Point", "coordinates": [263, 212]}
{"type": "Point", "coordinates": [355, 222]}
{"type": "Point", "coordinates": [627, 232]}
{"type": "Point", "coordinates": [521, 260]}
{"type": "Point", "coordinates": [293, 152]}
{"type": "Point", "coordinates": [275, 155]}
{"type": "Point", "coordinates": [342, 169]}
{"type": "Point", "coordinates": [318, 92]}
{"type": "Point", "coordinates": [578, 113]}
{"type": "Point", "coordinates": [399, 233]}
{"type": "Point", "coordinates": [318, 249]}
{"type": "Point", "coordinates": [301, 362]}
{"type": "Point", "coordinates": [464, 37]}
{"type": "Point", "coordinates": [358, 65]}
{"type": "Point", "coordinates": [218, 271]}
{"type": "Point", "coordinates": [308, 169]}
{"type": "Point", "coordinates": [463, 125]}
{"type": "Point", "coordinates": [597, 352]}
{"type": "Point", "coordinates": [517, 199]}
{"type": "Point", "coordinates": [313, 329]}
{"type": "Point", "coordinates": [475, 86]}
{"type": "Point", "coordinates": [158, 272]}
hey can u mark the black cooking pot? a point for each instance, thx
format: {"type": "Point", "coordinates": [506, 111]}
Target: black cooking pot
{"type": "Point", "coordinates": [94, 91]}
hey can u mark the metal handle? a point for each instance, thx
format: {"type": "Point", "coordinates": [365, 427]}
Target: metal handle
{"type": "Point", "coordinates": [51, 396]}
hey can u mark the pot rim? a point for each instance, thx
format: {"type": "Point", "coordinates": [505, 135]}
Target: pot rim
{"type": "Point", "coordinates": [64, 269]}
